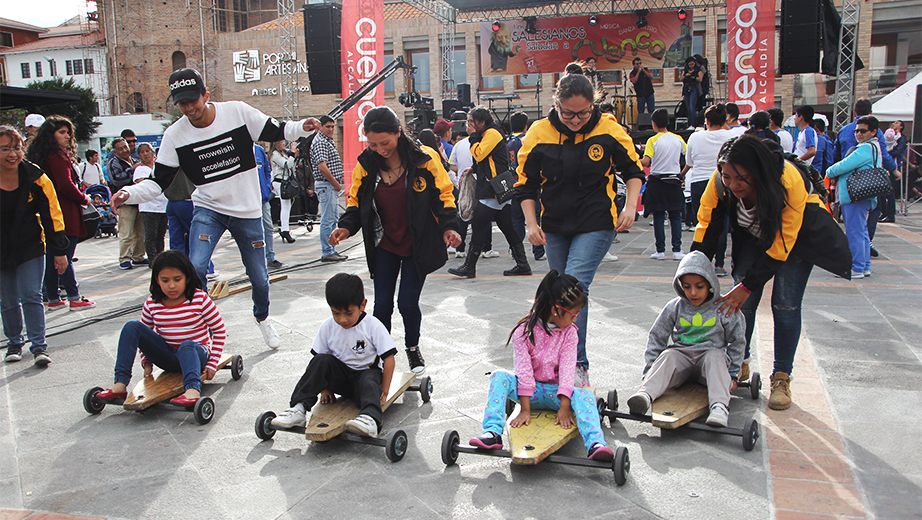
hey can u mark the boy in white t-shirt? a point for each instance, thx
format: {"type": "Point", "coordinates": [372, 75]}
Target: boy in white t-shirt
{"type": "Point", "coordinates": [777, 119]}
{"type": "Point", "coordinates": [805, 148]}
{"type": "Point", "coordinates": [353, 357]}
{"type": "Point", "coordinates": [663, 194]}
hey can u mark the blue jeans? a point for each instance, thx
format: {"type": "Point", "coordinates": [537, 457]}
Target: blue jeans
{"type": "Point", "coordinates": [387, 267]}
{"type": "Point", "coordinates": [659, 230]}
{"type": "Point", "coordinates": [21, 299]}
{"type": "Point", "coordinates": [790, 282]}
{"type": "Point", "coordinates": [207, 228]}
{"type": "Point", "coordinates": [691, 104]}
{"type": "Point", "coordinates": [648, 101]}
{"type": "Point", "coordinates": [329, 215]}
{"type": "Point", "coordinates": [268, 231]}
{"type": "Point", "coordinates": [579, 256]}
{"type": "Point", "coordinates": [518, 222]}
{"type": "Point", "coordinates": [189, 358]}
{"type": "Point", "coordinates": [179, 222]}
{"type": "Point", "coordinates": [856, 230]}
{"type": "Point", "coordinates": [68, 278]}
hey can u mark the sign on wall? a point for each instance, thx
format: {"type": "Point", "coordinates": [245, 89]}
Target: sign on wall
{"type": "Point", "coordinates": [250, 66]}
{"type": "Point", "coordinates": [664, 40]}
{"type": "Point", "coordinates": [751, 55]}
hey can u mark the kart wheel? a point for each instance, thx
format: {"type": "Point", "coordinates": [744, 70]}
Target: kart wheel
{"type": "Point", "coordinates": [621, 465]}
{"type": "Point", "coordinates": [396, 446]}
{"type": "Point", "coordinates": [755, 385]}
{"type": "Point", "coordinates": [203, 411]}
{"type": "Point", "coordinates": [600, 404]}
{"type": "Point", "coordinates": [237, 367]}
{"type": "Point", "coordinates": [91, 403]}
{"type": "Point", "coordinates": [750, 434]}
{"type": "Point", "coordinates": [425, 388]}
{"type": "Point", "coordinates": [613, 400]}
{"type": "Point", "coordinates": [264, 428]}
{"type": "Point", "coordinates": [450, 441]}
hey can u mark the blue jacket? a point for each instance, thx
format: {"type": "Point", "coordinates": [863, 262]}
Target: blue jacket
{"type": "Point", "coordinates": [861, 158]}
{"type": "Point", "coordinates": [847, 141]}
{"type": "Point", "coordinates": [819, 160]}
{"type": "Point", "coordinates": [265, 173]}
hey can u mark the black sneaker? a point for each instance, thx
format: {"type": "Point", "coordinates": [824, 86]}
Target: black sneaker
{"type": "Point", "coordinates": [41, 358]}
{"type": "Point", "coordinates": [13, 353]}
{"type": "Point", "coordinates": [415, 357]}
{"type": "Point", "coordinates": [142, 261]}
{"type": "Point", "coordinates": [275, 264]}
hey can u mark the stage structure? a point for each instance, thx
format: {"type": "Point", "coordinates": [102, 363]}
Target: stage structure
{"type": "Point", "coordinates": [845, 77]}
{"type": "Point", "coordinates": [288, 47]}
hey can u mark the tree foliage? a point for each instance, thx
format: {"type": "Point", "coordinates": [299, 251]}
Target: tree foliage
{"type": "Point", "coordinates": [81, 113]}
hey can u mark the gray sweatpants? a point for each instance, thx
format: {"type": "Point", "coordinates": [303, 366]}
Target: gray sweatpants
{"type": "Point", "coordinates": [675, 366]}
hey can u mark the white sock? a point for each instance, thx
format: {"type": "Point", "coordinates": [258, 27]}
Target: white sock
{"type": "Point", "coordinates": [300, 407]}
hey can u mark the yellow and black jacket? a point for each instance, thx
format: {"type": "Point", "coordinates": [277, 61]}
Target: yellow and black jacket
{"type": "Point", "coordinates": [574, 172]}
{"type": "Point", "coordinates": [430, 203]}
{"type": "Point", "coordinates": [490, 158]}
{"type": "Point", "coordinates": [807, 231]}
{"type": "Point", "coordinates": [38, 220]}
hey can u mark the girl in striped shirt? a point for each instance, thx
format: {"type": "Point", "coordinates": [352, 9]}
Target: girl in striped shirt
{"type": "Point", "coordinates": [180, 331]}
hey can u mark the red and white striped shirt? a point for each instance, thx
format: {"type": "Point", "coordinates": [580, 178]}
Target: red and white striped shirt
{"type": "Point", "coordinates": [197, 320]}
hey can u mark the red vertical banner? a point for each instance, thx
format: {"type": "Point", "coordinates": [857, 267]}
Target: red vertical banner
{"type": "Point", "coordinates": [362, 35]}
{"type": "Point", "coordinates": [751, 54]}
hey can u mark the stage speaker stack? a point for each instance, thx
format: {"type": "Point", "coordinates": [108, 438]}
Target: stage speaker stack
{"type": "Point", "coordinates": [801, 39]}
{"type": "Point", "coordinates": [449, 107]}
{"type": "Point", "coordinates": [644, 121]}
{"type": "Point", "coordinates": [321, 32]}
{"type": "Point", "coordinates": [464, 93]}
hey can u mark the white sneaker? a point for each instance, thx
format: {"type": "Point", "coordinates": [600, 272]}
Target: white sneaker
{"type": "Point", "coordinates": [213, 276]}
{"type": "Point", "coordinates": [638, 403]}
{"type": "Point", "coordinates": [719, 416]}
{"type": "Point", "coordinates": [678, 255]}
{"type": "Point", "coordinates": [460, 254]}
{"type": "Point", "coordinates": [290, 418]}
{"type": "Point", "coordinates": [363, 425]}
{"type": "Point", "coordinates": [489, 254]}
{"type": "Point", "coordinates": [451, 250]}
{"type": "Point", "coordinates": [610, 258]}
{"type": "Point", "coordinates": [270, 336]}
{"type": "Point", "coordinates": [658, 256]}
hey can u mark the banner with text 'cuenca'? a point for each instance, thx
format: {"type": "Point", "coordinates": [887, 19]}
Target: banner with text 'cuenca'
{"type": "Point", "coordinates": [665, 40]}
{"type": "Point", "coordinates": [751, 55]}
{"type": "Point", "coordinates": [362, 36]}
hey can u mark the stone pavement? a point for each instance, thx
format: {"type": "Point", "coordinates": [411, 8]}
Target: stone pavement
{"type": "Point", "coordinates": [844, 450]}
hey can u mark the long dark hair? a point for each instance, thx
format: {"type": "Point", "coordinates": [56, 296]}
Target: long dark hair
{"type": "Point", "coordinates": [555, 289]}
{"type": "Point", "coordinates": [383, 120]}
{"type": "Point", "coordinates": [178, 260]}
{"type": "Point", "coordinates": [575, 85]}
{"type": "Point", "coordinates": [764, 168]}
{"type": "Point", "coordinates": [428, 138]}
{"type": "Point", "coordinates": [45, 143]}
{"type": "Point", "coordinates": [758, 126]}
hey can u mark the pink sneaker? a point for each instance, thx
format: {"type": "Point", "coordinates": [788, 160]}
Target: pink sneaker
{"type": "Point", "coordinates": [53, 306]}
{"type": "Point", "coordinates": [601, 453]}
{"type": "Point", "coordinates": [82, 303]}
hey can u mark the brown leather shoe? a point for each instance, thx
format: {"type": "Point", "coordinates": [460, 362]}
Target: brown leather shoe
{"type": "Point", "coordinates": [780, 398]}
{"type": "Point", "coordinates": [744, 372]}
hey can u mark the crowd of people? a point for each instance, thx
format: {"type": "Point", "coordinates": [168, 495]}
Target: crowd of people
{"type": "Point", "coordinates": [567, 183]}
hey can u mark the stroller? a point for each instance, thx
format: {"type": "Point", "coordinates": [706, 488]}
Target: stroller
{"type": "Point", "coordinates": [108, 220]}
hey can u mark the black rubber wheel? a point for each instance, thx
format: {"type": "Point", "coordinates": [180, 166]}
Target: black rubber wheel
{"type": "Point", "coordinates": [510, 407]}
{"type": "Point", "coordinates": [203, 411]}
{"type": "Point", "coordinates": [450, 442]}
{"type": "Point", "coordinates": [91, 403]}
{"type": "Point", "coordinates": [750, 434]}
{"type": "Point", "coordinates": [621, 465]}
{"type": "Point", "coordinates": [425, 388]}
{"type": "Point", "coordinates": [264, 428]}
{"type": "Point", "coordinates": [309, 226]}
{"type": "Point", "coordinates": [613, 400]}
{"type": "Point", "coordinates": [236, 367]}
{"type": "Point", "coordinates": [396, 446]}
{"type": "Point", "coordinates": [755, 385]}
{"type": "Point", "coordinates": [600, 404]}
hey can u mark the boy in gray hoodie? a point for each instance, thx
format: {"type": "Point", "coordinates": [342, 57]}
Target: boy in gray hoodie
{"type": "Point", "coordinates": [691, 340]}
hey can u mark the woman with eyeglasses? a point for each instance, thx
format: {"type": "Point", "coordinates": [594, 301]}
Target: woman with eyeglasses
{"type": "Point", "coordinates": [25, 191]}
{"type": "Point", "coordinates": [569, 160]}
{"type": "Point", "coordinates": [780, 230]}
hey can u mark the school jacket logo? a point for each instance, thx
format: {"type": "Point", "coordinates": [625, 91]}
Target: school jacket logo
{"type": "Point", "coordinates": [419, 185]}
{"type": "Point", "coordinates": [596, 152]}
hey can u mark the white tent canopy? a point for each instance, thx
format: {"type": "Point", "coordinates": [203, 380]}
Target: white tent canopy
{"type": "Point", "coordinates": [899, 104]}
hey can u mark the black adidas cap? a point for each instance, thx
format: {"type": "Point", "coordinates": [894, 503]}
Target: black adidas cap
{"type": "Point", "coordinates": [186, 85]}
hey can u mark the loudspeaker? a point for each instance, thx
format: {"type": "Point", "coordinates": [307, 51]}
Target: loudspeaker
{"type": "Point", "coordinates": [801, 39]}
{"type": "Point", "coordinates": [449, 106]}
{"type": "Point", "coordinates": [321, 34]}
{"type": "Point", "coordinates": [464, 93]}
{"type": "Point", "coordinates": [644, 121]}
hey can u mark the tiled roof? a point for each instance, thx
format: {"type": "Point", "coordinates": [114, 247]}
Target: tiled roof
{"type": "Point", "coordinates": [13, 24]}
{"type": "Point", "coordinates": [60, 42]}
{"type": "Point", "coordinates": [392, 11]}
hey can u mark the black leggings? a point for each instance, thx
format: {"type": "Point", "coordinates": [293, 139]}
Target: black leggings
{"type": "Point", "coordinates": [480, 225]}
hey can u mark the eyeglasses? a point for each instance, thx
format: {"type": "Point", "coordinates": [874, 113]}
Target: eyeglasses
{"type": "Point", "coordinates": [568, 311]}
{"type": "Point", "coordinates": [7, 149]}
{"type": "Point", "coordinates": [862, 130]}
{"type": "Point", "coordinates": [567, 114]}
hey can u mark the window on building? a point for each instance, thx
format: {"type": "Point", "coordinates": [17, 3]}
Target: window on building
{"type": "Point", "coordinates": [38, 69]}
{"type": "Point", "coordinates": [523, 81]}
{"type": "Point", "coordinates": [488, 82]}
{"type": "Point", "coordinates": [69, 67]}
{"type": "Point", "coordinates": [52, 68]}
{"type": "Point", "coordinates": [459, 74]}
{"type": "Point", "coordinates": [78, 66]}
{"type": "Point", "coordinates": [420, 59]}
{"type": "Point", "coordinates": [26, 70]}
{"type": "Point", "coordinates": [136, 103]}
{"type": "Point", "coordinates": [6, 39]}
{"type": "Point", "coordinates": [722, 52]}
{"type": "Point", "coordinates": [88, 66]}
{"type": "Point", "coordinates": [698, 46]}
{"type": "Point", "coordinates": [179, 60]}
{"type": "Point", "coordinates": [2, 73]}
{"type": "Point", "coordinates": [389, 82]}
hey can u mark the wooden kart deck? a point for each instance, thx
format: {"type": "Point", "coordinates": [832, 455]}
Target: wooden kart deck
{"type": "Point", "coordinates": [679, 406]}
{"type": "Point", "coordinates": [533, 443]}
{"type": "Point", "coordinates": [329, 420]}
{"type": "Point", "coordinates": [160, 386]}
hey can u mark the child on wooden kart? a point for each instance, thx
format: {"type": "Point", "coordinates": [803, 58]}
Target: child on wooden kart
{"type": "Point", "coordinates": [180, 331]}
{"type": "Point", "coordinates": [692, 340]}
{"type": "Point", "coordinates": [544, 350]}
{"type": "Point", "coordinates": [353, 357]}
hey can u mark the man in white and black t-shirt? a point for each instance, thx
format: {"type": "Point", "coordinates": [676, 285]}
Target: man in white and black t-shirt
{"type": "Point", "coordinates": [213, 144]}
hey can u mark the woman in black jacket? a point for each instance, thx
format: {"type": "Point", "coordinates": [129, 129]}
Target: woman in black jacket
{"type": "Point", "coordinates": [401, 199]}
{"type": "Point", "coordinates": [25, 191]}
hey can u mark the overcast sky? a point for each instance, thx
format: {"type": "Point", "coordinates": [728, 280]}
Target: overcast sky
{"type": "Point", "coordinates": [44, 13]}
